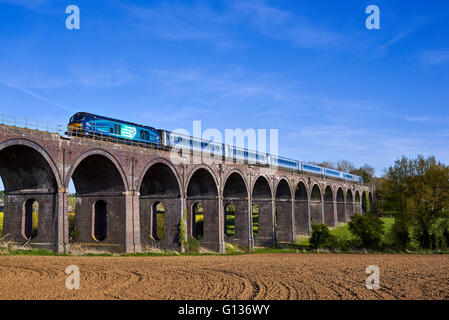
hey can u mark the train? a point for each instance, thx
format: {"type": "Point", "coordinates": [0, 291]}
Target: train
{"type": "Point", "coordinates": [88, 124]}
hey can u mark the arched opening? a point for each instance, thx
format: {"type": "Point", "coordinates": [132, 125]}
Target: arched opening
{"type": "Point", "coordinates": [30, 219]}
{"type": "Point", "coordinates": [96, 202]}
{"type": "Point", "coordinates": [237, 210]}
{"type": "Point", "coordinates": [100, 225]}
{"type": "Point", "coordinates": [284, 212]}
{"type": "Point", "coordinates": [202, 185]}
{"type": "Point", "coordinates": [71, 208]}
{"type": "Point", "coordinates": [255, 218]}
{"type": "Point", "coordinates": [349, 204]}
{"type": "Point", "coordinates": [365, 201]}
{"type": "Point", "coordinates": [371, 202]}
{"type": "Point", "coordinates": [202, 188]}
{"type": "Point", "coordinates": [357, 204]}
{"type": "Point", "coordinates": [329, 207]}
{"type": "Point", "coordinates": [198, 221]}
{"type": "Point", "coordinates": [158, 218]}
{"type": "Point", "coordinates": [229, 222]}
{"type": "Point", "coordinates": [341, 206]}
{"type": "Point", "coordinates": [160, 207]}
{"type": "Point", "coordinates": [316, 205]}
{"type": "Point", "coordinates": [29, 197]}
{"type": "Point", "coordinates": [302, 220]}
{"type": "Point", "coordinates": [2, 205]}
{"type": "Point", "coordinates": [262, 200]}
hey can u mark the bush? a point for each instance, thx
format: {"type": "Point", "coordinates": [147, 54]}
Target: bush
{"type": "Point", "coordinates": [367, 229]}
{"type": "Point", "coordinates": [193, 246]}
{"type": "Point", "coordinates": [321, 237]}
{"type": "Point", "coordinates": [73, 232]}
{"type": "Point", "coordinates": [182, 231]}
{"type": "Point", "coordinates": [445, 231]}
{"type": "Point", "coordinates": [400, 232]}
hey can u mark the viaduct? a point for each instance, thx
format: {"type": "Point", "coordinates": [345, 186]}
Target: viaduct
{"type": "Point", "coordinates": [118, 187]}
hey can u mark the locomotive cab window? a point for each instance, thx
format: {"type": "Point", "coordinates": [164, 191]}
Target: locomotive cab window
{"type": "Point", "coordinates": [77, 118]}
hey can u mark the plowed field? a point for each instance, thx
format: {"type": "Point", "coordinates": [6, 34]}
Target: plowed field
{"type": "Point", "coordinates": [258, 276]}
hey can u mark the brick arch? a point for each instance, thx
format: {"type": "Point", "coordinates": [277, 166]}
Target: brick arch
{"type": "Point", "coordinates": [155, 162]}
{"type": "Point", "coordinates": [312, 185]}
{"type": "Point", "coordinates": [349, 190]}
{"type": "Point", "coordinates": [40, 150]}
{"type": "Point", "coordinates": [159, 185]}
{"type": "Point", "coordinates": [266, 178]}
{"type": "Point", "coordinates": [316, 207]}
{"type": "Point", "coordinates": [328, 200]}
{"type": "Point", "coordinates": [284, 214]}
{"type": "Point", "coordinates": [29, 174]}
{"type": "Point", "coordinates": [235, 191]}
{"type": "Point", "coordinates": [288, 183]}
{"type": "Point", "coordinates": [357, 202]}
{"type": "Point", "coordinates": [208, 197]}
{"type": "Point", "coordinates": [304, 183]}
{"type": "Point", "coordinates": [242, 176]}
{"type": "Point", "coordinates": [349, 204]}
{"type": "Point", "coordinates": [341, 203]}
{"type": "Point", "coordinates": [302, 218]}
{"type": "Point", "coordinates": [96, 185]}
{"type": "Point", "coordinates": [265, 205]}
{"type": "Point", "coordinates": [332, 188]}
{"type": "Point", "coordinates": [192, 173]}
{"type": "Point", "coordinates": [100, 152]}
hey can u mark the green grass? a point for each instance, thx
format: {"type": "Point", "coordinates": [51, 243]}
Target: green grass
{"type": "Point", "coordinates": [342, 232]}
{"type": "Point", "coordinates": [388, 224]}
{"type": "Point", "coordinates": [230, 225]}
{"type": "Point", "coordinates": [160, 224]}
{"type": "Point", "coordinates": [71, 201]}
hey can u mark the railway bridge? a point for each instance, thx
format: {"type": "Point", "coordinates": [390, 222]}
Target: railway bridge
{"type": "Point", "coordinates": [120, 187]}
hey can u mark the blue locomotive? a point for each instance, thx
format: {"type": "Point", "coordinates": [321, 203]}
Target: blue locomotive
{"type": "Point", "coordinates": [84, 123]}
{"type": "Point", "coordinates": [87, 123]}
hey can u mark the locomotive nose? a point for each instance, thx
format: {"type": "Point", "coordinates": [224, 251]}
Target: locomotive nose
{"type": "Point", "coordinates": [75, 126]}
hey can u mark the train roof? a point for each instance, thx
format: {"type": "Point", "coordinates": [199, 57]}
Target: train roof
{"type": "Point", "coordinates": [112, 119]}
{"type": "Point", "coordinates": [152, 128]}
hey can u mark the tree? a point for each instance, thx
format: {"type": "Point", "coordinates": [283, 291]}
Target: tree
{"type": "Point", "coordinates": [365, 171]}
{"type": "Point", "coordinates": [367, 228]}
{"type": "Point", "coordinates": [417, 189]}
{"type": "Point", "coordinates": [345, 166]}
{"type": "Point", "coordinates": [325, 164]}
{"type": "Point", "coordinates": [320, 236]}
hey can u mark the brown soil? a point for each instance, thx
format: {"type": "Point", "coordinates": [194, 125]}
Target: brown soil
{"type": "Point", "coordinates": [261, 276]}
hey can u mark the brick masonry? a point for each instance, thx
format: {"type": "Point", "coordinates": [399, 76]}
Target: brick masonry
{"type": "Point", "coordinates": [129, 179]}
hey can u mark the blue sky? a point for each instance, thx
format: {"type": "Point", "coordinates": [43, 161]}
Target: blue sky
{"type": "Point", "coordinates": [311, 69]}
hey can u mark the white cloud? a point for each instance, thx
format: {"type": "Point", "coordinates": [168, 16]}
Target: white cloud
{"type": "Point", "coordinates": [434, 57]}
{"type": "Point", "coordinates": [30, 4]}
{"type": "Point", "coordinates": [417, 119]}
{"type": "Point", "coordinates": [280, 24]}
{"type": "Point", "coordinates": [36, 96]}
{"type": "Point", "coordinates": [201, 23]}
